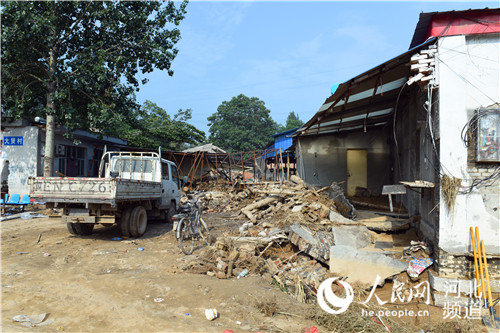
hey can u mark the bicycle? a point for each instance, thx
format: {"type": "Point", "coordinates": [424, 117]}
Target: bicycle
{"type": "Point", "coordinates": [191, 229]}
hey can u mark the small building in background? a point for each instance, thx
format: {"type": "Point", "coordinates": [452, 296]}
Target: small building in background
{"type": "Point", "coordinates": [23, 144]}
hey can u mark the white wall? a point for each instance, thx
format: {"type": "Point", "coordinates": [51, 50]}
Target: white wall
{"type": "Point", "coordinates": [468, 77]}
{"type": "Point", "coordinates": [22, 159]}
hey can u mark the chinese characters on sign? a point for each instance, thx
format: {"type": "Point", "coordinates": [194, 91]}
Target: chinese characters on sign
{"type": "Point", "coordinates": [421, 290]}
{"type": "Point", "coordinates": [13, 140]}
{"type": "Point", "coordinates": [454, 306]}
{"type": "Point", "coordinates": [453, 309]}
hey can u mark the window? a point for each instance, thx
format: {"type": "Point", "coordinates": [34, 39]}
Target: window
{"type": "Point", "coordinates": [488, 137]}
{"type": "Point", "coordinates": [122, 165]}
{"type": "Point", "coordinates": [175, 174]}
{"type": "Point", "coordinates": [164, 171]}
{"type": "Point", "coordinates": [72, 163]}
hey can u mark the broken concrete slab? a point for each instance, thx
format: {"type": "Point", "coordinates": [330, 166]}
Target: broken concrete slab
{"type": "Point", "coordinates": [338, 218]}
{"type": "Point", "coordinates": [316, 245]}
{"type": "Point", "coordinates": [363, 266]}
{"type": "Point", "coordinates": [303, 232]}
{"type": "Point", "coordinates": [381, 223]}
{"type": "Point", "coordinates": [343, 205]}
{"type": "Point", "coordinates": [387, 226]}
{"type": "Point", "coordinates": [352, 235]}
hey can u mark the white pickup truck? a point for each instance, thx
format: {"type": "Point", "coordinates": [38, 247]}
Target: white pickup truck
{"type": "Point", "coordinates": [132, 187]}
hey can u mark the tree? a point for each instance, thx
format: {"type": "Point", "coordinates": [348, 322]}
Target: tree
{"type": "Point", "coordinates": [292, 121]}
{"type": "Point", "coordinates": [242, 124]}
{"type": "Point", "coordinates": [153, 127]}
{"type": "Point", "coordinates": [75, 63]}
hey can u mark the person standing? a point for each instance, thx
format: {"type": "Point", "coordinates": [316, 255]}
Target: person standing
{"type": "Point", "coordinates": [4, 182]}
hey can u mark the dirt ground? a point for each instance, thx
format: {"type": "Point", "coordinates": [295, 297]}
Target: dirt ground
{"type": "Point", "coordinates": [97, 284]}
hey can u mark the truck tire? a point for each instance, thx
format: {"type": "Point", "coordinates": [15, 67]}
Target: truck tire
{"type": "Point", "coordinates": [125, 222]}
{"type": "Point", "coordinates": [138, 221]}
{"type": "Point", "coordinates": [80, 228]}
{"type": "Point", "coordinates": [71, 228]}
{"type": "Point", "coordinates": [172, 210]}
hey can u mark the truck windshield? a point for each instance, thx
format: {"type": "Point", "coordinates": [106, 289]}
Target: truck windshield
{"type": "Point", "coordinates": [123, 165]}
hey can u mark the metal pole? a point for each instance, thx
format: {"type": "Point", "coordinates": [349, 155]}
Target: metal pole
{"type": "Point", "coordinates": [242, 168]}
{"type": "Point", "coordinates": [288, 166]}
{"type": "Point", "coordinates": [230, 171]}
{"type": "Point", "coordinates": [254, 169]}
{"type": "Point", "coordinates": [216, 169]}
{"type": "Point", "coordinates": [275, 163]}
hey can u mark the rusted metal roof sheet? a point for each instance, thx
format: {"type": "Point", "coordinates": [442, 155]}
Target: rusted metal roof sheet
{"type": "Point", "coordinates": [365, 100]}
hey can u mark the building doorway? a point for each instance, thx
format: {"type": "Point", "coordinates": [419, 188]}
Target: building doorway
{"type": "Point", "coordinates": [356, 170]}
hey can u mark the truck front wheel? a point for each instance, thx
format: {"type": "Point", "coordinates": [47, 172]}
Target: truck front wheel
{"type": "Point", "coordinates": [138, 221]}
{"type": "Point", "coordinates": [80, 228]}
{"type": "Point", "coordinates": [171, 212]}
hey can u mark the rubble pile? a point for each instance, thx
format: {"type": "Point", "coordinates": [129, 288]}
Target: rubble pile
{"type": "Point", "coordinates": [295, 236]}
{"type": "Point", "coordinates": [278, 205]}
{"type": "Point", "coordinates": [279, 262]}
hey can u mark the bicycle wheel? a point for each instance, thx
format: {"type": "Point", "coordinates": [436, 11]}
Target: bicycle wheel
{"type": "Point", "coordinates": [203, 231]}
{"type": "Point", "coordinates": [186, 236]}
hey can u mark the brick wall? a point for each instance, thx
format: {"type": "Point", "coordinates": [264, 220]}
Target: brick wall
{"type": "Point", "coordinates": [453, 266]}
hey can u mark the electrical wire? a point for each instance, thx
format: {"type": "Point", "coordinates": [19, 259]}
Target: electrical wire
{"type": "Point", "coordinates": [394, 127]}
{"type": "Point", "coordinates": [467, 135]}
{"type": "Point", "coordinates": [465, 80]}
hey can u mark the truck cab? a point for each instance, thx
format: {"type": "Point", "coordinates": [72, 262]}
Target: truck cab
{"type": "Point", "coordinates": [131, 188]}
{"type": "Point", "coordinates": [146, 167]}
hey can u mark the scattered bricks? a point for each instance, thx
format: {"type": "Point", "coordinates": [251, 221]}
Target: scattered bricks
{"type": "Point", "coordinates": [246, 247]}
{"type": "Point", "coordinates": [221, 246]}
{"type": "Point", "coordinates": [234, 255]}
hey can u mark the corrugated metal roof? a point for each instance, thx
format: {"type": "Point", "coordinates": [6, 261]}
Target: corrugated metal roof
{"type": "Point", "coordinates": [365, 99]}
{"type": "Point", "coordinates": [287, 132]}
{"type": "Point", "coordinates": [207, 148]}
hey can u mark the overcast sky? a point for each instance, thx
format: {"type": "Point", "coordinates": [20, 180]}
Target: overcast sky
{"type": "Point", "coordinates": [287, 54]}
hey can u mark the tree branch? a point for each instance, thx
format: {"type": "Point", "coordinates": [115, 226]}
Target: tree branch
{"type": "Point", "coordinates": [73, 26]}
{"type": "Point", "coordinates": [34, 76]}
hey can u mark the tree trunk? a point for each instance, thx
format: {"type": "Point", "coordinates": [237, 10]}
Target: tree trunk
{"type": "Point", "coordinates": [48, 165]}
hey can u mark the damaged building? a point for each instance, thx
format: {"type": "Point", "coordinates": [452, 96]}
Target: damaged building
{"type": "Point", "coordinates": [428, 119]}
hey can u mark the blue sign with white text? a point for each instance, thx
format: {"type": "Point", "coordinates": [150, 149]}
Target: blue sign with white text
{"type": "Point", "coordinates": [13, 140]}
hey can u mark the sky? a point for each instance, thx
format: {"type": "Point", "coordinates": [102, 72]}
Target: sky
{"type": "Point", "coordinates": [288, 54]}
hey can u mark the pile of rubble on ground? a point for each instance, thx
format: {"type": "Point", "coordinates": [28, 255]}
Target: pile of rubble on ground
{"type": "Point", "coordinates": [292, 234]}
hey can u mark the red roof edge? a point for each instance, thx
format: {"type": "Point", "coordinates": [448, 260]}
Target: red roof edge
{"type": "Point", "coordinates": [469, 22]}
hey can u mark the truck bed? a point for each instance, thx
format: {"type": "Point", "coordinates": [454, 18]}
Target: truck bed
{"type": "Point", "coordinates": [92, 190]}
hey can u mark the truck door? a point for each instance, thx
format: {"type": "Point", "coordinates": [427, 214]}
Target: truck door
{"type": "Point", "coordinates": [166, 181]}
{"type": "Point", "coordinates": [176, 184]}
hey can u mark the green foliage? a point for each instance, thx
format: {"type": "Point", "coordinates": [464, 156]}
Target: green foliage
{"type": "Point", "coordinates": [78, 60]}
{"type": "Point", "coordinates": [242, 124]}
{"type": "Point", "coordinates": [152, 127]}
{"type": "Point", "coordinates": [292, 121]}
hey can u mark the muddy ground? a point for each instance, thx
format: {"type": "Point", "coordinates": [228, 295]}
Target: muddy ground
{"type": "Point", "coordinates": [97, 284]}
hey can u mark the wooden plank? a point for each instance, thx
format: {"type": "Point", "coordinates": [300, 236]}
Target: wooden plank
{"type": "Point", "coordinates": [418, 183]}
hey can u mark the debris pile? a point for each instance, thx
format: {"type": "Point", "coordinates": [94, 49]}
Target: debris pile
{"type": "Point", "coordinates": [295, 236]}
